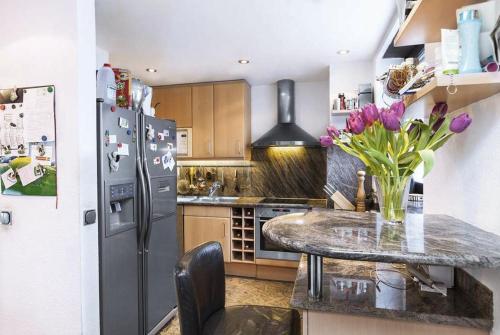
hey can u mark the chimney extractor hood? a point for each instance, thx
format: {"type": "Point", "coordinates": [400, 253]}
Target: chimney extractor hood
{"type": "Point", "coordinates": [286, 133]}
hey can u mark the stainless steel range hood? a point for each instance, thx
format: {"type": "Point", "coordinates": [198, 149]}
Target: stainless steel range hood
{"type": "Point", "coordinates": [286, 133]}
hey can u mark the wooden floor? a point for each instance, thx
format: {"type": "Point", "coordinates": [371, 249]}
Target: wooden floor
{"type": "Point", "coordinates": [240, 291]}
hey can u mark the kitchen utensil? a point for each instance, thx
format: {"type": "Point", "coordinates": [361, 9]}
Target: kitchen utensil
{"type": "Point", "coordinates": [236, 182]}
{"type": "Point", "coordinates": [209, 175]}
{"type": "Point", "coordinates": [183, 185]}
{"type": "Point", "coordinates": [340, 201]}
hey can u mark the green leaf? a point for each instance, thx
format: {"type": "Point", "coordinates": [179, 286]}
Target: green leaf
{"type": "Point", "coordinates": [424, 138]}
{"type": "Point", "coordinates": [428, 158]}
{"type": "Point", "coordinates": [406, 143]}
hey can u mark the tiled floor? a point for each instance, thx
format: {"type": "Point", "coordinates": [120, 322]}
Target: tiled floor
{"type": "Point", "coordinates": [241, 291]}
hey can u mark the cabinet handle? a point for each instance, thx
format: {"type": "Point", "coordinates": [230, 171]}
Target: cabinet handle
{"type": "Point", "coordinates": [209, 147]}
{"type": "Point", "coordinates": [238, 147]}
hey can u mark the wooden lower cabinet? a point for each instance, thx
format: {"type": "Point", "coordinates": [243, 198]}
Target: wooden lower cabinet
{"type": "Point", "coordinates": [234, 228]}
{"type": "Point", "coordinates": [324, 323]}
{"type": "Point", "coordinates": [201, 229]}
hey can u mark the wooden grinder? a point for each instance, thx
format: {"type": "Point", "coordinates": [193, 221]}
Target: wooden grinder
{"type": "Point", "coordinates": [361, 195]}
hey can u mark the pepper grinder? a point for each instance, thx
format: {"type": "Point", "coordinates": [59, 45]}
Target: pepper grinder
{"type": "Point", "coordinates": [361, 195]}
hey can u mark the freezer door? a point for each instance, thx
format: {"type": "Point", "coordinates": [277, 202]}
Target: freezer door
{"type": "Point", "coordinates": [162, 252]}
{"type": "Point", "coordinates": [161, 147]}
{"type": "Point", "coordinates": [119, 264]}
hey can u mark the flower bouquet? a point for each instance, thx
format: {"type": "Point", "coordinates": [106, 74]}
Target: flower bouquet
{"type": "Point", "coordinates": [392, 148]}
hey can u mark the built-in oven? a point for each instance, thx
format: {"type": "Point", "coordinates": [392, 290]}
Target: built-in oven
{"type": "Point", "coordinates": [265, 248]}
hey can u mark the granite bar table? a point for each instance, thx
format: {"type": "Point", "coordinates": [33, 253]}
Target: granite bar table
{"type": "Point", "coordinates": [365, 242]}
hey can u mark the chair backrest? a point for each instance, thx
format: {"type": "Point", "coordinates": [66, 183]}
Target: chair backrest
{"type": "Point", "coordinates": [201, 288]}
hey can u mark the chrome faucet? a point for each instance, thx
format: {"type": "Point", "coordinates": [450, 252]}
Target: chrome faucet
{"type": "Point", "coordinates": [213, 188]}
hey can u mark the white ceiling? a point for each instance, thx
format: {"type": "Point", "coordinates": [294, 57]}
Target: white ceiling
{"type": "Point", "coordinates": [201, 40]}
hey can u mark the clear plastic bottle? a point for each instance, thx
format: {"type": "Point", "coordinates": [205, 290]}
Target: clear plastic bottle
{"type": "Point", "coordinates": [106, 85]}
{"type": "Point", "coordinates": [469, 27]}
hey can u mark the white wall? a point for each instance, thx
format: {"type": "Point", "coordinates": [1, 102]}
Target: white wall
{"type": "Point", "coordinates": [465, 181]}
{"type": "Point", "coordinates": [311, 108]}
{"type": "Point", "coordinates": [345, 77]}
{"type": "Point", "coordinates": [102, 56]}
{"type": "Point", "coordinates": [41, 281]}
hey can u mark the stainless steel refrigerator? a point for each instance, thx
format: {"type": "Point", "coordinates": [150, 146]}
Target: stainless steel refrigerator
{"type": "Point", "coordinates": [137, 220]}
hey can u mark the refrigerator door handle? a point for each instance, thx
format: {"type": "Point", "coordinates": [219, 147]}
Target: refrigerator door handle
{"type": "Point", "coordinates": [142, 183]}
{"type": "Point", "coordinates": [149, 199]}
{"type": "Point", "coordinates": [149, 191]}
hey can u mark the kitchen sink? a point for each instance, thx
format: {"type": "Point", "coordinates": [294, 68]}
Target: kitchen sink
{"type": "Point", "coordinates": [217, 199]}
{"type": "Point", "coordinates": [185, 198]}
{"type": "Point", "coordinates": [227, 200]}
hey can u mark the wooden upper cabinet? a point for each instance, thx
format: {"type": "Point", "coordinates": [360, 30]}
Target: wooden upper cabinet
{"type": "Point", "coordinates": [203, 120]}
{"type": "Point", "coordinates": [174, 104]}
{"type": "Point", "coordinates": [232, 119]}
{"type": "Point", "coordinates": [218, 113]}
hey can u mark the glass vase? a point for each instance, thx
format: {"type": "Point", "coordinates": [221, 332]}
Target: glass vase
{"type": "Point", "coordinates": [392, 195]}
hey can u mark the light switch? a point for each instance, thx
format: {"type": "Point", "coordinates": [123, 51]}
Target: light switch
{"type": "Point", "coordinates": [90, 217]}
{"type": "Point", "coordinates": [5, 218]}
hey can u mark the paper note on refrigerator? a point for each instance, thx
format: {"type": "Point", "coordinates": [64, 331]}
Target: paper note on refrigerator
{"type": "Point", "coordinates": [123, 149]}
{"type": "Point", "coordinates": [30, 173]}
{"type": "Point", "coordinates": [9, 178]}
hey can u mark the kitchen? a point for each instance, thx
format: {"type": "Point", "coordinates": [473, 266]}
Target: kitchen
{"type": "Point", "coordinates": [247, 163]}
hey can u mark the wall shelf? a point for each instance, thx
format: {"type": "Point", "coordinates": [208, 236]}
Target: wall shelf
{"type": "Point", "coordinates": [426, 20]}
{"type": "Point", "coordinates": [470, 88]}
{"type": "Point", "coordinates": [341, 112]}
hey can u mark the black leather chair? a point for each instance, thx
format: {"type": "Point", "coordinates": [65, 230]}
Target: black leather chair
{"type": "Point", "coordinates": [201, 295]}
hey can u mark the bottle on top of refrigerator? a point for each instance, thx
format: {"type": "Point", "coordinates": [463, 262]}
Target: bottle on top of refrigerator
{"type": "Point", "coordinates": [106, 85]}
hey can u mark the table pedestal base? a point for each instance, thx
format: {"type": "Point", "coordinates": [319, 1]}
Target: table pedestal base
{"type": "Point", "coordinates": [315, 276]}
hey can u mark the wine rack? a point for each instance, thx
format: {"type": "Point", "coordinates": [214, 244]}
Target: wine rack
{"type": "Point", "coordinates": [243, 235]}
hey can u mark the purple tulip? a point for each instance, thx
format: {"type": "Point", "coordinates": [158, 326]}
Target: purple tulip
{"type": "Point", "coordinates": [390, 119]}
{"type": "Point", "coordinates": [333, 132]}
{"type": "Point", "coordinates": [440, 109]}
{"type": "Point", "coordinates": [369, 114]}
{"type": "Point", "coordinates": [398, 108]}
{"type": "Point", "coordinates": [460, 123]}
{"type": "Point", "coordinates": [438, 124]}
{"type": "Point", "coordinates": [325, 141]}
{"type": "Point", "coordinates": [355, 123]}
{"type": "Point", "coordinates": [414, 124]}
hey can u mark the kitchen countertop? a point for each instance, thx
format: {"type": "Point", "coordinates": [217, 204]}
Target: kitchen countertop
{"type": "Point", "coordinates": [424, 239]}
{"type": "Point", "coordinates": [251, 202]}
{"type": "Point", "coordinates": [349, 287]}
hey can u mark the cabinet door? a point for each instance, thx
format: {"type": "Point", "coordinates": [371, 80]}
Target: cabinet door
{"type": "Point", "coordinates": [200, 229]}
{"type": "Point", "coordinates": [231, 119]}
{"type": "Point", "coordinates": [174, 104]}
{"type": "Point", "coordinates": [203, 121]}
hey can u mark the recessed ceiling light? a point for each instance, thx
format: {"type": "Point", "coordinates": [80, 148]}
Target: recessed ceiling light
{"type": "Point", "coordinates": [150, 69]}
{"type": "Point", "coordinates": [343, 51]}
{"type": "Point", "coordinates": [243, 61]}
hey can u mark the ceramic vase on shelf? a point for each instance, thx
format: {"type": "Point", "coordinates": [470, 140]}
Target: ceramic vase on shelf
{"type": "Point", "coordinates": [392, 195]}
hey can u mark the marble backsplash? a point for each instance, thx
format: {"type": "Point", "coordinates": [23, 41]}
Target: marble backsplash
{"type": "Point", "coordinates": [291, 172]}
{"type": "Point", "coordinates": [274, 172]}
{"type": "Point", "coordinates": [342, 173]}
